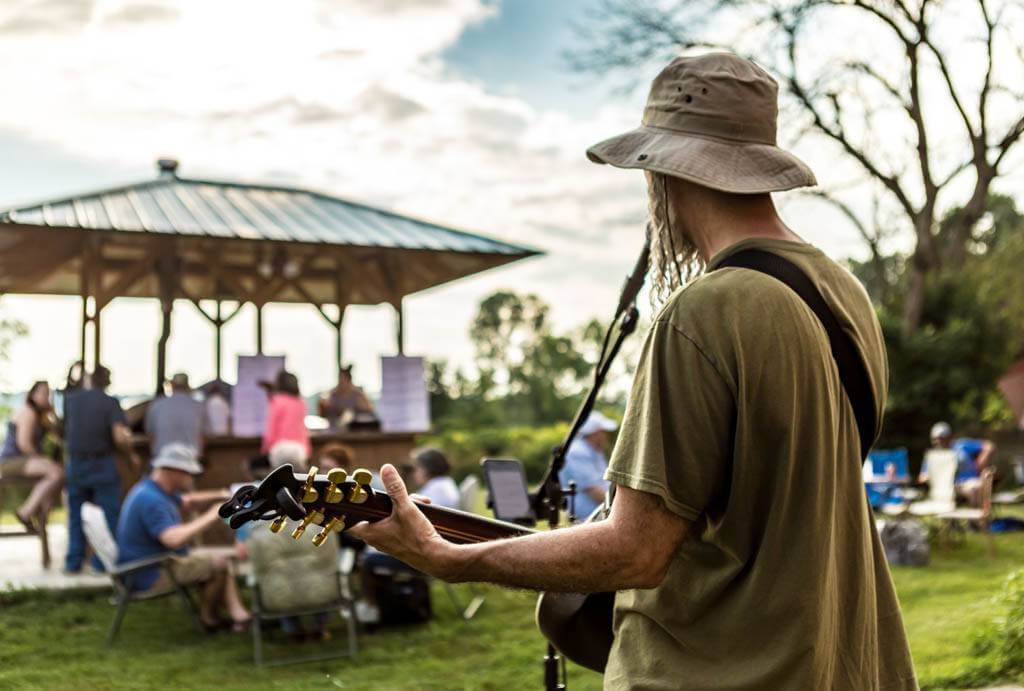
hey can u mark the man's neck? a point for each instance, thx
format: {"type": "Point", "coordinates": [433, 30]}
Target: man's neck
{"type": "Point", "coordinates": [161, 481]}
{"type": "Point", "coordinates": [719, 231]}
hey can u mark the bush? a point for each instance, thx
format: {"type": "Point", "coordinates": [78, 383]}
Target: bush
{"type": "Point", "coordinates": [531, 445]}
{"type": "Point", "coordinates": [998, 651]}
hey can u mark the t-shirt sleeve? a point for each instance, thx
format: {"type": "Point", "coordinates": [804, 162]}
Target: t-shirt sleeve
{"type": "Point", "coordinates": [116, 413]}
{"type": "Point", "coordinates": [676, 437]}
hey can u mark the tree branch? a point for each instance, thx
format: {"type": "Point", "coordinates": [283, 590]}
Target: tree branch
{"type": "Point", "coordinates": [990, 29]}
{"type": "Point", "coordinates": [835, 131]}
{"type": "Point", "coordinates": [1012, 136]}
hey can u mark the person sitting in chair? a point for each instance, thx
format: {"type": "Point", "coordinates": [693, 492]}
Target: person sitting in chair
{"type": "Point", "coordinates": [972, 457]}
{"type": "Point", "coordinates": [432, 475]}
{"type": "Point", "coordinates": [22, 455]}
{"type": "Point", "coordinates": [151, 524]}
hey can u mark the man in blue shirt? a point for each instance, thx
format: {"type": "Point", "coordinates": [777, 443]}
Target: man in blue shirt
{"type": "Point", "coordinates": [151, 524]}
{"type": "Point", "coordinates": [586, 463]}
{"type": "Point", "coordinates": [972, 456]}
{"type": "Point", "coordinates": [94, 426]}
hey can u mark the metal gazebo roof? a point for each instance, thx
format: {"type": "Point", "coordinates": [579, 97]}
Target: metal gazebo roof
{"type": "Point", "coordinates": [172, 238]}
{"type": "Point", "coordinates": [236, 241]}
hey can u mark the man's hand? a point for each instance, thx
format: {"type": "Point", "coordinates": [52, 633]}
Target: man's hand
{"type": "Point", "coordinates": [407, 534]}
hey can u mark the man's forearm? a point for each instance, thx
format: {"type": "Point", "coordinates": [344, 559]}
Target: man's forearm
{"type": "Point", "coordinates": [584, 559]}
{"type": "Point", "coordinates": [180, 535]}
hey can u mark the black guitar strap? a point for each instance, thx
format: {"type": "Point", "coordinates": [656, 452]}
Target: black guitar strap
{"type": "Point", "coordinates": [852, 372]}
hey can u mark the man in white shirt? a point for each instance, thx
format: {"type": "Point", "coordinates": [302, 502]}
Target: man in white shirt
{"type": "Point", "coordinates": [586, 463]}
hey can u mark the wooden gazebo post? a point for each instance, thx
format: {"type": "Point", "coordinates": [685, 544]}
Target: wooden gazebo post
{"type": "Point", "coordinates": [400, 326]}
{"type": "Point", "coordinates": [166, 274]}
{"type": "Point", "coordinates": [259, 329]}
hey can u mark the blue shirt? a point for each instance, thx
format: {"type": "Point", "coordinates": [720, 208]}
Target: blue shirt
{"type": "Point", "coordinates": [89, 417]}
{"type": "Point", "coordinates": [585, 466]}
{"type": "Point", "coordinates": [967, 452]}
{"type": "Point", "coordinates": [147, 511]}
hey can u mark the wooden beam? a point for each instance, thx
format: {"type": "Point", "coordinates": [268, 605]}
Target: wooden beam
{"type": "Point", "coordinates": [45, 262]}
{"type": "Point", "coordinates": [128, 278]}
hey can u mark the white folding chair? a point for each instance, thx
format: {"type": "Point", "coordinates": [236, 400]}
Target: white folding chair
{"type": "Point", "coordinates": [941, 492]}
{"type": "Point", "coordinates": [97, 534]}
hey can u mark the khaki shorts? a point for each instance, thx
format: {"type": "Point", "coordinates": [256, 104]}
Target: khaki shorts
{"type": "Point", "coordinates": [188, 570]}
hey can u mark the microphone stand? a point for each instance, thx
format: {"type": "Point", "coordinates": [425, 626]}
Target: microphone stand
{"type": "Point", "coordinates": [550, 496]}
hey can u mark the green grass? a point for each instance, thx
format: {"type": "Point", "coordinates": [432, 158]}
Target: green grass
{"type": "Point", "coordinates": [947, 602]}
{"type": "Point", "coordinates": [54, 640]}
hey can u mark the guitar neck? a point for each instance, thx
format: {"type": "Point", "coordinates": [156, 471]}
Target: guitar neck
{"type": "Point", "coordinates": [455, 526]}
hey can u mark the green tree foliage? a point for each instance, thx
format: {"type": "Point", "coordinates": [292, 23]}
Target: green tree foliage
{"type": "Point", "coordinates": [10, 329]}
{"type": "Point", "coordinates": [972, 329]}
{"type": "Point", "coordinates": [527, 374]}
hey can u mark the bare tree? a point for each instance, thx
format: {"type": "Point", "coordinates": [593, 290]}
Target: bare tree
{"type": "Point", "coordinates": [924, 97]}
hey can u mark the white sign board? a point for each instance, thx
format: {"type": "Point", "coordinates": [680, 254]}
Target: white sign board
{"type": "Point", "coordinates": [248, 398]}
{"type": "Point", "coordinates": [404, 404]}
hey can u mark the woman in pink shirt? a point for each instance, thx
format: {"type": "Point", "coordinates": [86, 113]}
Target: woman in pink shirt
{"type": "Point", "coordinates": [286, 415]}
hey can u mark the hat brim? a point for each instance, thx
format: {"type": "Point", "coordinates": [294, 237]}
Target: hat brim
{"type": "Point", "coordinates": [193, 469]}
{"type": "Point", "coordinates": [725, 165]}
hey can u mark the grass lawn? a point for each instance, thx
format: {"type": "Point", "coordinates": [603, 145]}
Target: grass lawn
{"type": "Point", "coordinates": [55, 640]}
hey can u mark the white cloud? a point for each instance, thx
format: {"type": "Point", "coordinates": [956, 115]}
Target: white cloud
{"type": "Point", "coordinates": [349, 97]}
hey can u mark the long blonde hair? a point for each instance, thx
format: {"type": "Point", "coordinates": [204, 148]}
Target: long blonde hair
{"type": "Point", "coordinates": [674, 257]}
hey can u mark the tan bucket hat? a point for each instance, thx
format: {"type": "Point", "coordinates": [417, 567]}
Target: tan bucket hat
{"type": "Point", "coordinates": [710, 119]}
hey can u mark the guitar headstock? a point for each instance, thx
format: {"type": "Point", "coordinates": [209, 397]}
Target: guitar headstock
{"type": "Point", "coordinates": [324, 500]}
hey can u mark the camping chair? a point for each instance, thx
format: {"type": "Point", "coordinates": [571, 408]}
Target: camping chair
{"type": "Point", "coordinates": [981, 517]}
{"type": "Point", "coordinates": [44, 542]}
{"type": "Point", "coordinates": [469, 499]}
{"type": "Point", "coordinates": [941, 491]}
{"type": "Point", "coordinates": [97, 534]}
{"type": "Point", "coordinates": [1015, 495]}
{"type": "Point", "coordinates": [292, 578]}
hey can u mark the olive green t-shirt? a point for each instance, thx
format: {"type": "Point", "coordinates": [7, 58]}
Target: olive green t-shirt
{"type": "Point", "coordinates": [739, 422]}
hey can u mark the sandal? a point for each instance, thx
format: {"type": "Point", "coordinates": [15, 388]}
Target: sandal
{"type": "Point", "coordinates": [241, 625]}
{"type": "Point", "coordinates": [30, 526]}
{"type": "Point", "coordinates": [216, 626]}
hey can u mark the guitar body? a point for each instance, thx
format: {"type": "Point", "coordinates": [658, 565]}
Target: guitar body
{"type": "Point", "coordinates": [579, 626]}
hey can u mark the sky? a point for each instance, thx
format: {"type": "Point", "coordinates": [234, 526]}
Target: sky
{"type": "Point", "coordinates": [461, 111]}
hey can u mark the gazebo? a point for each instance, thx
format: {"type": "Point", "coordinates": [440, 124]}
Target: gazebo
{"type": "Point", "coordinates": [180, 238]}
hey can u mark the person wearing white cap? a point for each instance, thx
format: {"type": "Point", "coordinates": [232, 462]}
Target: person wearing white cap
{"type": "Point", "coordinates": [972, 456]}
{"type": "Point", "coordinates": [151, 524]}
{"type": "Point", "coordinates": [586, 463]}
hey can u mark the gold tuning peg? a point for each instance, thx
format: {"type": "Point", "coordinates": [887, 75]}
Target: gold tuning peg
{"type": "Point", "coordinates": [361, 478]}
{"type": "Point", "coordinates": [278, 524]}
{"type": "Point", "coordinates": [335, 476]}
{"type": "Point", "coordinates": [309, 495]}
{"type": "Point", "coordinates": [314, 516]}
{"type": "Point", "coordinates": [336, 524]}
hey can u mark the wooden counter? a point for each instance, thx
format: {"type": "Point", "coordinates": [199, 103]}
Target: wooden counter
{"type": "Point", "coordinates": [226, 460]}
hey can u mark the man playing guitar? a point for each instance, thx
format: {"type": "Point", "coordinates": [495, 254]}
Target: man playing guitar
{"type": "Point", "coordinates": [739, 540]}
